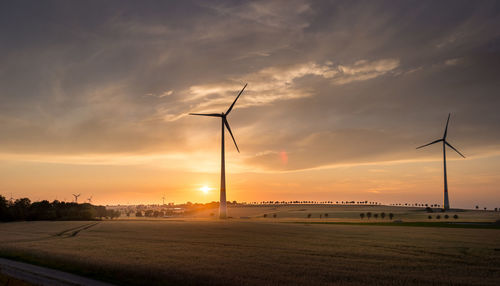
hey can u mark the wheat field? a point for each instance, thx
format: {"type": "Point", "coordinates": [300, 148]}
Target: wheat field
{"type": "Point", "coordinates": [257, 251]}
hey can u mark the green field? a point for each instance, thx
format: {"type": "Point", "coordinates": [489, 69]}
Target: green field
{"type": "Point", "coordinates": [287, 250]}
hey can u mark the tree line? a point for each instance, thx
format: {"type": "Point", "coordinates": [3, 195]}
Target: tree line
{"type": "Point", "coordinates": [23, 209]}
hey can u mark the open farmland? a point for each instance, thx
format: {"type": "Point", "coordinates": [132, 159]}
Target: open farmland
{"type": "Point", "coordinates": [257, 252]}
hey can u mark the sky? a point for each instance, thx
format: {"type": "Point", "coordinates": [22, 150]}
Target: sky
{"type": "Point", "coordinates": [95, 96]}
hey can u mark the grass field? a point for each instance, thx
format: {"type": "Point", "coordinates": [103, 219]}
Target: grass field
{"type": "Point", "coordinates": [288, 250]}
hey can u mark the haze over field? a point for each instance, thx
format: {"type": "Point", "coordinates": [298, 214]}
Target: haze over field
{"type": "Point", "coordinates": [94, 99]}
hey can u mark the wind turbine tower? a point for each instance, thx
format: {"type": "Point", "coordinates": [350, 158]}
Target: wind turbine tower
{"type": "Point", "coordinates": [76, 197]}
{"type": "Point", "coordinates": [224, 122]}
{"type": "Point", "coordinates": [90, 200]}
{"type": "Point", "coordinates": [446, 204]}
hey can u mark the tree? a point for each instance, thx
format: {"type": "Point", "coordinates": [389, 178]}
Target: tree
{"type": "Point", "coordinates": [477, 207]}
{"type": "Point", "coordinates": [4, 211]}
{"type": "Point", "coordinates": [265, 215]}
{"type": "Point", "coordinates": [275, 215]}
{"type": "Point", "coordinates": [375, 216]}
{"type": "Point", "coordinates": [368, 215]}
{"type": "Point", "coordinates": [138, 214]}
{"type": "Point", "coordinates": [20, 209]}
{"type": "Point", "coordinates": [326, 215]}
{"type": "Point", "coordinates": [361, 215]}
{"type": "Point", "coordinates": [438, 217]}
{"type": "Point", "coordinates": [308, 215]}
{"type": "Point", "coordinates": [446, 216]}
{"type": "Point", "coordinates": [382, 215]}
{"type": "Point", "coordinates": [391, 215]}
{"type": "Point", "coordinates": [455, 216]}
{"type": "Point", "coordinates": [429, 217]}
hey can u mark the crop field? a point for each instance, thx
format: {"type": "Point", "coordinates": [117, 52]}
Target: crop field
{"type": "Point", "coordinates": [287, 250]}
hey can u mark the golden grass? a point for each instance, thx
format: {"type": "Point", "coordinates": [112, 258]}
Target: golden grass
{"type": "Point", "coordinates": [259, 252]}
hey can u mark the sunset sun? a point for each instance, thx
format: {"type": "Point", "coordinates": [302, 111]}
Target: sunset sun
{"type": "Point", "coordinates": [205, 189]}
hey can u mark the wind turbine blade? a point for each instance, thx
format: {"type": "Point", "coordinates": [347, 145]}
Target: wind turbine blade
{"type": "Point", "coordinates": [446, 129]}
{"type": "Point", "coordinates": [453, 148]}
{"type": "Point", "coordinates": [231, 107]}
{"type": "Point", "coordinates": [229, 129]}
{"type": "Point", "coordinates": [439, 140]}
{"type": "Point", "coordinates": [207, 114]}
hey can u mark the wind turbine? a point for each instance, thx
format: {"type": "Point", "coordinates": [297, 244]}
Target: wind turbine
{"type": "Point", "coordinates": [76, 197]}
{"type": "Point", "coordinates": [222, 115]}
{"type": "Point", "coordinates": [446, 204]}
{"type": "Point", "coordinates": [90, 200]}
{"type": "Point", "coordinates": [163, 198]}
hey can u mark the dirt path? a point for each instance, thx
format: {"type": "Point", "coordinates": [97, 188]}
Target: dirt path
{"type": "Point", "coordinates": [13, 271]}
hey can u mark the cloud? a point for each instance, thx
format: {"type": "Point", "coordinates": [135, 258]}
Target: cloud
{"type": "Point", "coordinates": [277, 83]}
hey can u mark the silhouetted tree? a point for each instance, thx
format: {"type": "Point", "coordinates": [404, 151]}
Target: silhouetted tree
{"type": "Point", "coordinates": [4, 211]}
{"type": "Point", "coordinates": [275, 215]}
{"type": "Point", "coordinates": [438, 217]}
{"type": "Point", "coordinates": [446, 216]}
{"type": "Point", "coordinates": [326, 215]}
{"type": "Point", "coordinates": [362, 215]}
{"type": "Point", "coordinates": [265, 215]}
{"type": "Point", "coordinates": [308, 215]}
{"type": "Point", "coordinates": [138, 214]}
{"type": "Point", "coordinates": [477, 207]}
{"type": "Point", "coordinates": [391, 215]}
{"type": "Point", "coordinates": [375, 216]}
{"type": "Point", "coordinates": [455, 216]}
{"type": "Point", "coordinates": [368, 215]}
{"type": "Point", "coordinates": [429, 217]}
{"type": "Point", "coordinates": [382, 215]}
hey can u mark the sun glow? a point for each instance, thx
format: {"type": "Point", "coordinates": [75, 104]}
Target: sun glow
{"type": "Point", "coordinates": [205, 189]}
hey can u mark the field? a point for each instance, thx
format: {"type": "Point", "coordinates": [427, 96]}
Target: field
{"type": "Point", "coordinates": [287, 250]}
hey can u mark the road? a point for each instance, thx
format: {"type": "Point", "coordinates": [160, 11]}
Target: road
{"type": "Point", "coordinates": [37, 275]}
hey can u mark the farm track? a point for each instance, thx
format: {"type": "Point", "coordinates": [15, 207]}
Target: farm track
{"type": "Point", "coordinates": [71, 232]}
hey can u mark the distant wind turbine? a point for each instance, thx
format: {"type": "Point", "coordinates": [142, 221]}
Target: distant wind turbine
{"type": "Point", "coordinates": [90, 200]}
{"type": "Point", "coordinates": [446, 204]}
{"type": "Point", "coordinates": [222, 203]}
{"type": "Point", "coordinates": [76, 197]}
